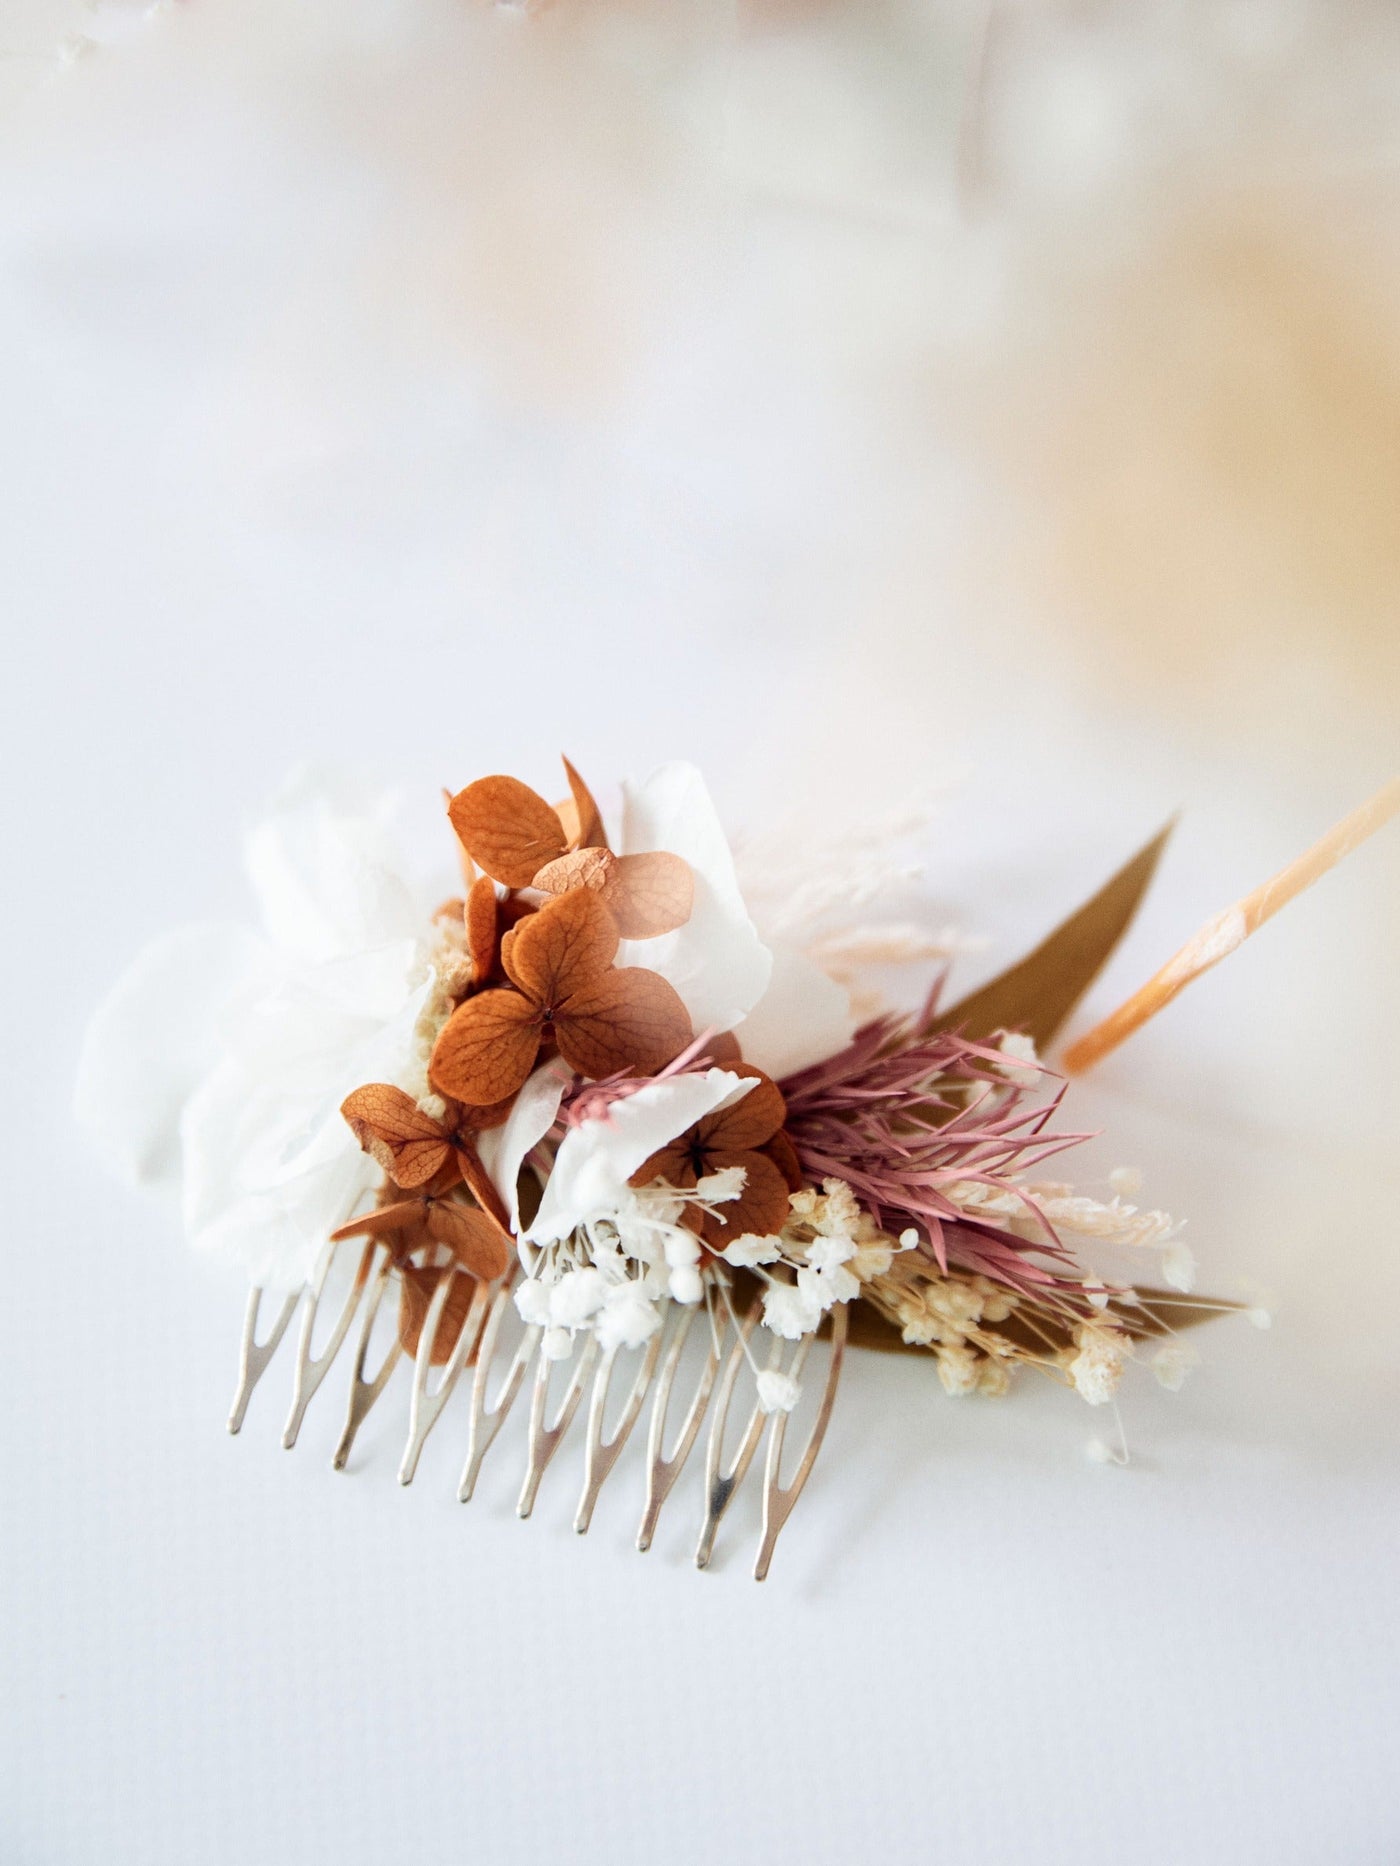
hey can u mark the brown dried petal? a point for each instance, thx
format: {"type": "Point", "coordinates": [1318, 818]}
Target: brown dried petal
{"type": "Point", "coordinates": [396, 1224]}
{"type": "Point", "coordinates": [416, 1292]}
{"type": "Point", "coordinates": [761, 1208]}
{"type": "Point", "coordinates": [480, 919]}
{"type": "Point", "coordinates": [396, 1133]}
{"type": "Point", "coordinates": [671, 1163]}
{"type": "Point", "coordinates": [723, 1049]}
{"type": "Point", "coordinates": [507, 829]}
{"type": "Point", "coordinates": [649, 894]}
{"type": "Point", "coordinates": [475, 1240]}
{"type": "Point", "coordinates": [783, 1154]}
{"type": "Point", "coordinates": [588, 831]}
{"type": "Point", "coordinates": [562, 948]}
{"type": "Point", "coordinates": [629, 1019]}
{"type": "Point", "coordinates": [752, 1121]}
{"type": "Point", "coordinates": [486, 1048]}
{"type": "Point", "coordinates": [584, 868]}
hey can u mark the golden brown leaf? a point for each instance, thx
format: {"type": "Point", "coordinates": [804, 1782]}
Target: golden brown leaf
{"type": "Point", "coordinates": [562, 948]}
{"type": "Point", "coordinates": [486, 1048]}
{"type": "Point", "coordinates": [1039, 992]}
{"type": "Point", "coordinates": [628, 1019]}
{"type": "Point", "coordinates": [507, 829]}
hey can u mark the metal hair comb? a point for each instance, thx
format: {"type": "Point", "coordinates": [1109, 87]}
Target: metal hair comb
{"type": "Point", "coordinates": [494, 1393]}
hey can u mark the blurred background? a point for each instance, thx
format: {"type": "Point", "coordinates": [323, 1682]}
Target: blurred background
{"type": "Point", "coordinates": [986, 408]}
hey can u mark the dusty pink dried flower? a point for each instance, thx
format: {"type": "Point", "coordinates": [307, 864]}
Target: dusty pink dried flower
{"type": "Point", "coordinates": [901, 1117]}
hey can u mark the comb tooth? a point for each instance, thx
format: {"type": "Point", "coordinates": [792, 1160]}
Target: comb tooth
{"type": "Point", "coordinates": [719, 1485]}
{"type": "Point", "coordinates": [600, 1457]}
{"type": "Point", "coordinates": [425, 1408]}
{"type": "Point", "coordinates": [778, 1500]}
{"type": "Point", "coordinates": [253, 1355]}
{"type": "Point", "coordinates": [363, 1393]}
{"type": "Point", "coordinates": [488, 1420]}
{"type": "Point", "coordinates": [545, 1440]}
{"type": "Point", "coordinates": [662, 1471]}
{"type": "Point", "coordinates": [310, 1372]}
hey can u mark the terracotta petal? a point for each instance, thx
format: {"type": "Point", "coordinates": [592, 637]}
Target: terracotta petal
{"type": "Point", "coordinates": [562, 948]}
{"type": "Point", "coordinates": [486, 1048]}
{"type": "Point", "coordinates": [760, 1208]}
{"type": "Point", "coordinates": [389, 1113]}
{"type": "Point", "coordinates": [391, 1222]}
{"type": "Point", "coordinates": [481, 919]}
{"type": "Point", "coordinates": [783, 1154]}
{"type": "Point", "coordinates": [585, 868]}
{"type": "Point", "coordinates": [475, 1240]}
{"type": "Point", "coordinates": [723, 1049]}
{"type": "Point", "coordinates": [649, 894]}
{"type": "Point", "coordinates": [671, 1163]}
{"type": "Point", "coordinates": [630, 1019]}
{"type": "Point", "coordinates": [507, 829]}
{"type": "Point", "coordinates": [750, 1122]}
{"type": "Point", "coordinates": [588, 831]}
{"type": "Point", "coordinates": [473, 1170]}
{"type": "Point", "coordinates": [416, 1291]}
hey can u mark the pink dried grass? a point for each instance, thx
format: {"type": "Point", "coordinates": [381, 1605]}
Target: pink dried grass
{"type": "Point", "coordinates": [901, 1116]}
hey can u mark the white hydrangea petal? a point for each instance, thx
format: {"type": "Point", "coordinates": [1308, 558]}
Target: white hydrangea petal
{"type": "Point", "coordinates": [156, 1035]}
{"type": "Point", "coordinates": [716, 961]}
{"type": "Point", "coordinates": [597, 1158]}
{"type": "Point", "coordinates": [802, 1018]}
{"type": "Point", "coordinates": [325, 871]}
{"type": "Point", "coordinates": [503, 1149]}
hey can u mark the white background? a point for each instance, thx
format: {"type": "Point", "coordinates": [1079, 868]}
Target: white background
{"type": "Point", "coordinates": [275, 486]}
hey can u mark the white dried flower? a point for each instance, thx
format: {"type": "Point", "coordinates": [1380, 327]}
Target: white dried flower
{"type": "Point", "coordinates": [1179, 1266]}
{"type": "Point", "coordinates": [790, 1312]}
{"type": "Point", "coordinates": [1098, 1366]}
{"type": "Point", "coordinates": [749, 1250]}
{"type": "Point", "coordinates": [532, 1302]}
{"type": "Point", "coordinates": [958, 1370]}
{"type": "Point", "coordinates": [627, 1318]}
{"type": "Point", "coordinates": [576, 1297]}
{"type": "Point", "coordinates": [1126, 1181]}
{"type": "Point", "coordinates": [721, 1186]}
{"type": "Point", "coordinates": [777, 1392]}
{"type": "Point", "coordinates": [1023, 1065]}
{"type": "Point", "coordinates": [685, 1284]}
{"type": "Point", "coordinates": [556, 1344]}
{"type": "Point", "coordinates": [1172, 1362]}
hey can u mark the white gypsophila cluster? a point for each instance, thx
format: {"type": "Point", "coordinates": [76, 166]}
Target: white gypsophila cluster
{"type": "Point", "coordinates": [831, 1247]}
{"type": "Point", "coordinates": [612, 1273]}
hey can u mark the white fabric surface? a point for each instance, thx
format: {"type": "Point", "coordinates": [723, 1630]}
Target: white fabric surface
{"type": "Point", "coordinates": [227, 548]}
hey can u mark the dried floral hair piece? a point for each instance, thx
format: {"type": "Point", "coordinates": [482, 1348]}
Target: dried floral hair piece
{"type": "Point", "coordinates": [536, 1132]}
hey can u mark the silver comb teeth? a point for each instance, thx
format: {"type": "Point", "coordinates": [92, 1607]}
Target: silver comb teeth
{"type": "Point", "coordinates": [655, 1378]}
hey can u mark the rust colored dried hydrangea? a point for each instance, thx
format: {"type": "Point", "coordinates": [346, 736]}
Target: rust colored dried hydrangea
{"type": "Point", "coordinates": [748, 1133]}
{"type": "Point", "coordinates": [563, 988]}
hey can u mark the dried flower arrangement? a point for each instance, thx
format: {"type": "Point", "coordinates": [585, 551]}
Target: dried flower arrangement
{"type": "Point", "coordinates": [587, 1099]}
